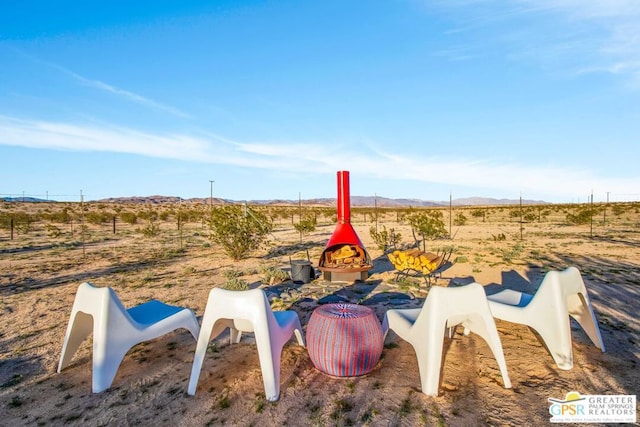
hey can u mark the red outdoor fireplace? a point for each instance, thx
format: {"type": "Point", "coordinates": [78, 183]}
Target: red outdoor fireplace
{"type": "Point", "coordinates": [345, 258]}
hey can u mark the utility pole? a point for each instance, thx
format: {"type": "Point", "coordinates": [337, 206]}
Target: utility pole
{"type": "Point", "coordinates": [211, 194]}
{"type": "Point", "coordinates": [450, 212]}
{"type": "Point", "coordinates": [180, 219]}
{"type": "Point", "coordinates": [521, 220]}
{"type": "Point", "coordinates": [82, 225]}
{"type": "Point", "coordinates": [375, 209]}
{"type": "Point", "coordinates": [591, 214]}
{"type": "Point", "coordinates": [604, 214]}
{"type": "Point", "coordinates": [300, 213]}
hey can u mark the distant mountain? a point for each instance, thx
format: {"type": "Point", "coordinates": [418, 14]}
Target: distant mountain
{"type": "Point", "coordinates": [356, 201]}
{"type": "Point", "coordinates": [360, 201]}
{"type": "Point", "coordinates": [25, 199]}
{"type": "Point", "coordinates": [154, 200]}
{"type": "Point", "coordinates": [485, 201]}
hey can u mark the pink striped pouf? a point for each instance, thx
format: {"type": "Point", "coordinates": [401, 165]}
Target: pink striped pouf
{"type": "Point", "coordinates": [344, 340]}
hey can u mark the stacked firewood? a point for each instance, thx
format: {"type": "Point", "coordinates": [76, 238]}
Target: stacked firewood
{"type": "Point", "coordinates": [414, 259]}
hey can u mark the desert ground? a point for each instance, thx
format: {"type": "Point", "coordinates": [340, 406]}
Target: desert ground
{"type": "Point", "coordinates": [40, 270]}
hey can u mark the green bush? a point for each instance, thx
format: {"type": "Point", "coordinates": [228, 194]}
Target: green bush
{"type": "Point", "coordinates": [235, 284]}
{"type": "Point", "coordinates": [306, 225]}
{"type": "Point", "coordinates": [460, 219]}
{"type": "Point", "coordinates": [428, 225]}
{"type": "Point", "coordinates": [384, 239]}
{"type": "Point", "coordinates": [151, 229]}
{"type": "Point", "coordinates": [97, 218]}
{"type": "Point", "coordinates": [231, 273]}
{"type": "Point", "coordinates": [128, 217]}
{"type": "Point", "coordinates": [583, 216]}
{"type": "Point", "coordinates": [22, 222]}
{"type": "Point", "coordinates": [477, 213]}
{"type": "Point", "coordinates": [273, 275]}
{"type": "Point", "coordinates": [64, 216]}
{"type": "Point", "coordinates": [239, 229]}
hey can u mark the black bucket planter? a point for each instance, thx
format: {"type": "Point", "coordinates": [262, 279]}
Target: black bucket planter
{"type": "Point", "coordinates": [302, 271]}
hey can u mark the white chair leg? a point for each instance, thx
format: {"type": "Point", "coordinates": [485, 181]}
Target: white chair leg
{"type": "Point", "coordinates": [235, 335]}
{"type": "Point", "coordinates": [557, 337]}
{"type": "Point", "coordinates": [485, 328]}
{"type": "Point", "coordinates": [206, 329]}
{"type": "Point", "coordinates": [269, 356]}
{"type": "Point", "coordinates": [299, 335]}
{"type": "Point", "coordinates": [105, 365]}
{"type": "Point", "coordinates": [429, 354]}
{"type": "Point", "coordinates": [79, 328]}
{"type": "Point", "coordinates": [581, 311]}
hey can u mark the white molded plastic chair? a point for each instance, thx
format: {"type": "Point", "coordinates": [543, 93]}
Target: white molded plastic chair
{"type": "Point", "coordinates": [560, 295]}
{"type": "Point", "coordinates": [247, 311]}
{"type": "Point", "coordinates": [444, 308]}
{"type": "Point", "coordinates": [116, 329]}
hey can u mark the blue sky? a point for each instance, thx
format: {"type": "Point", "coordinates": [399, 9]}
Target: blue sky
{"type": "Point", "coordinates": [269, 99]}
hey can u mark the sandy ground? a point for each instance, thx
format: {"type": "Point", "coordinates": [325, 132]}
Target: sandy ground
{"type": "Point", "coordinates": [39, 277]}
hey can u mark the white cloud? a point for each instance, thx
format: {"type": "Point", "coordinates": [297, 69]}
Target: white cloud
{"type": "Point", "coordinates": [579, 36]}
{"type": "Point", "coordinates": [97, 84]}
{"type": "Point", "coordinates": [551, 181]}
{"type": "Point", "coordinates": [63, 136]}
{"type": "Point", "coordinates": [129, 95]}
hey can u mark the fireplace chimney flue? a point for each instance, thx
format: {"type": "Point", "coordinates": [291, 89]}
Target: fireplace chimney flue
{"type": "Point", "coordinates": [344, 198]}
{"type": "Point", "coordinates": [344, 258]}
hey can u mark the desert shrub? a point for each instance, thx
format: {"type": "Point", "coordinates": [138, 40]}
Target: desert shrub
{"type": "Point", "coordinates": [52, 231]}
{"type": "Point", "coordinates": [128, 217]}
{"type": "Point", "coordinates": [273, 275]}
{"type": "Point", "coordinates": [148, 214]}
{"type": "Point", "coordinates": [527, 214]}
{"type": "Point", "coordinates": [544, 213]}
{"type": "Point", "coordinates": [479, 213]}
{"type": "Point", "coordinates": [151, 229]}
{"type": "Point", "coordinates": [306, 225]}
{"type": "Point", "coordinates": [191, 214]}
{"type": "Point", "coordinates": [582, 216]}
{"type": "Point", "coordinates": [429, 225]}
{"type": "Point", "coordinates": [236, 284]}
{"type": "Point", "coordinates": [231, 273]}
{"type": "Point", "coordinates": [63, 216]}
{"type": "Point", "coordinates": [509, 254]}
{"type": "Point", "coordinates": [22, 222]}
{"type": "Point", "coordinates": [5, 220]}
{"type": "Point", "coordinates": [239, 229]}
{"type": "Point", "coordinates": [618, 210]}
{"type": "Point", "coordinates": [384, 239]}
{"type": "Point", "coordinates": [460, 219]}
{"type": "Point", "coordinates": [97, 218]}
{"type": "Point", "coordinates": [499, 237]}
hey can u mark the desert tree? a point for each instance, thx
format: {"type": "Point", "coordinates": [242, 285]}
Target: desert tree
{"type": "Point", "coordinates": [306, 225]}
{"type": "Point", "coordinates": [385, 239]}
{"type": "Point", "coordinates": [239, 229]}
{"type": "Point", "coordinates": [429, 225]}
